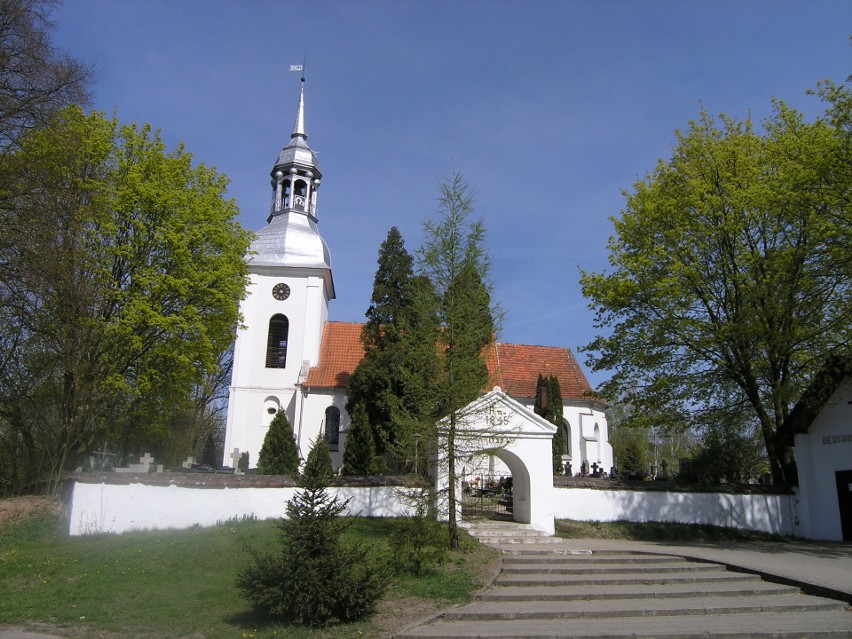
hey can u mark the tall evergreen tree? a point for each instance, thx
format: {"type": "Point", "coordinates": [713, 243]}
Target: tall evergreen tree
{"type": "Point", "coordinates": [279, 454]}
{"type": "Point", "coordinates": [548, 404]}
{"type": "Point", "coordinates": [454, 259]}
{"type": "Point", "coordinates": [392, 380]}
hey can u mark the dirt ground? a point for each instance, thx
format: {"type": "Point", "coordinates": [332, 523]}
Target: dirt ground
{"type": "Point", "coordinates": [17, 508]}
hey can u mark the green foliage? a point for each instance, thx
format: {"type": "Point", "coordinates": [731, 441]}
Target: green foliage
{"type": "Point", "coordinates": [455, 261]}
{"type": "Point", "coordinates": [359, 452]}
{"type": "Point", "coordinates": [631, 450]}
{"type": "Point", "coordinates": [315, 579]}
{"type": "Point", "coordinates": [279, 454]}
{"type": "Point", "coordinates": [394, 379]}
{"type": "Point", "coordinates": [129, 261]}
{"type": "Point", "coordinates": [730, 272]}
{"type": "Point", "coordinates": [548, 404]}
{"type": "Point", "coordinates": [318, 469]}
{"type": "Point", "coordinates": [729, 453]}
{"type": "Point", "coordinates": [418, 544]}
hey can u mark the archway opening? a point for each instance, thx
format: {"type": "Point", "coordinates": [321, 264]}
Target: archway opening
{"type": "Point", "coordinates": [496, 491]}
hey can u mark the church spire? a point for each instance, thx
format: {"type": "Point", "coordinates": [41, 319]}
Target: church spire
{"type": "Point", "coordinates": [299, 126]}
{"type": "Point", "coordinates": [296, 175]}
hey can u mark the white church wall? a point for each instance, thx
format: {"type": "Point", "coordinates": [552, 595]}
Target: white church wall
{"type": "Point", "coordinates": [820, 453]}
{"type": "Point", "coordinates": [312, 424]}
{"type": "Point", "coordinates": [113, 508]}
{"type": "Point", "coordinates": [576, 417]}
{"type": "Point", "coordinates": [769, 513]}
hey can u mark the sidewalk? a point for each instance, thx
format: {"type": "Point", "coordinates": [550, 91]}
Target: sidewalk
{"type": "Point", "coordinates": [820, 568]}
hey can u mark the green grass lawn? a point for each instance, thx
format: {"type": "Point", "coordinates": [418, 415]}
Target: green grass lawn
{"type": "Point", "coordinates": [181, 584]}
{"type": "Point", "coordinates": [658, 531]}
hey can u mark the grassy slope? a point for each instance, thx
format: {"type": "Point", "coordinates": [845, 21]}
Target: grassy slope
{"type": "Point", "coordinates": [174, 584]}
{"type": "Point", "coordinates": [657, 531]}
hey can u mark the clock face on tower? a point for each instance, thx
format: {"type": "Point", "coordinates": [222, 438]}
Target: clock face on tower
{"type": "Point", "coordinates": [281, 291]}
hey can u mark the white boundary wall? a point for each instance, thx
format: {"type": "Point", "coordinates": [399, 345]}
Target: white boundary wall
{"type": "Point", "coordinates": [118, 508]}
{"type": "Point", "coordinates": [769, 513]}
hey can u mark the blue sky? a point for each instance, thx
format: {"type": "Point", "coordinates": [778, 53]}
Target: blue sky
{"type": "Point", "coordinates": [549, 109]}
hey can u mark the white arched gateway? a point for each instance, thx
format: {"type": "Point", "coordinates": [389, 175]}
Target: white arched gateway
{"type": "Point", "coordinates": [495, 424]}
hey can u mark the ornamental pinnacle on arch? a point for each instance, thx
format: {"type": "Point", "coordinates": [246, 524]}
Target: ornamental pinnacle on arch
{"type": "Point", "coordinates": [296, 175]}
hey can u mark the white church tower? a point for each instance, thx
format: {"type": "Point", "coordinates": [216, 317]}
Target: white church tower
{"type": "Point", "coordinates": [286, 304]}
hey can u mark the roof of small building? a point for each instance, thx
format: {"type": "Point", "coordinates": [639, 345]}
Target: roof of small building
{"type": "Point", "coordinates": [513, 367]}
{"type": "Point", "coordinates": [819, 391]}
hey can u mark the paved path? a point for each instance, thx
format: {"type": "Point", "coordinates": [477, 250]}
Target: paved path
{"type": "Point", "coordinates": [817, 567]}
{"type": "Point", "coordinates": [614, 589]}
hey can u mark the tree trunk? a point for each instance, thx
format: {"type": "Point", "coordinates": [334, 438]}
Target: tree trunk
{"type": "Point", "coordinates": [451, 475]}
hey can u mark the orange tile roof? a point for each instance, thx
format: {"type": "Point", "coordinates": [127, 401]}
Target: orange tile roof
{"type": "Point", "coordinates": [340, 353]}
{"type": "Point", "coordinates": [513, 367]}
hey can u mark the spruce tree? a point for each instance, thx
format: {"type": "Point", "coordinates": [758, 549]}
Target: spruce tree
{"type": "Point", "coordinates": [360, 450]}
{"type": "Point", "coordinates": [315, 579]}
{"type": "Point", "coordinates": [279, 454]}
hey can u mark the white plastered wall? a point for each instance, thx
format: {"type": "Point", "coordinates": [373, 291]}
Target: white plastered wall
{"type": "Point", "coordinates": [499, 425]}
{"type": "Point", "coordinates": [824, 450]}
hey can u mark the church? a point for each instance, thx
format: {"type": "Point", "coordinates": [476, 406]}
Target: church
{"type": "Point", "coordinates": [289, 357]}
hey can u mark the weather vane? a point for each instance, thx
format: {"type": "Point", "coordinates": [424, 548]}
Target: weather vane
{"type": "Point", "coordinates": [299, 67]}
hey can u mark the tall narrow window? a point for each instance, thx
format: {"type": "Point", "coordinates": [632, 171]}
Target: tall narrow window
{"type": "Point", "coordinates": [332, 427]}
{"type": "Point", "coordinates": [276, 344]}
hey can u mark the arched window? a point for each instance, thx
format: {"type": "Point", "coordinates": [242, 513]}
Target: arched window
{"type": "Point", "coordinates": [566, 431]}
{"type": "Point", "coordinates": [332, 427]}
{"type": "Point", "coordinates": [300, 193]}
{"type": "Point", "coordinates": [276, 344]}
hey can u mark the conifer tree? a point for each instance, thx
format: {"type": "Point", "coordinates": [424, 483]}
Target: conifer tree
{"type": "Point", "coordinates": [279, 454]}
{"type": "Point", "coordinates": [393, 380]}
{"type": "Point", "coordinates": [360, 450]}
{"type": "Point", "coordinates": [548, 404]}
{"type": "Point", "coordinates": [455, 261]}
{"type": "Point", "coordinates": [316, 579]}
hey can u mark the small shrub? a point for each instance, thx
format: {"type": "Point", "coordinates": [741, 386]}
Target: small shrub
{"type": "Point", "coordinates": [315, 580]}
{"type": "Point", "coordinates": [419, 543]}
{"type": "Point", "coordinates": [279, 454]}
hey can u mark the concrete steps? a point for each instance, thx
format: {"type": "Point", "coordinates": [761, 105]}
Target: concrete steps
{"type": "Point", "coordinates": [545, 591]}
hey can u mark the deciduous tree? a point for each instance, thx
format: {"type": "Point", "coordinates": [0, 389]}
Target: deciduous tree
{"type": "Point", "coordinates": [36, 79]}
{"type": "Point", "coordinates": [727, 285]}
{"type": "Point", "coordinates": [455, 260]}
{"type": "Point", "coordinates": [124, 269]}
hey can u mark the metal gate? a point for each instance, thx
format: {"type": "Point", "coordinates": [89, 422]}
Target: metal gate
{"type": "Point", "coordinates": [487, 497]}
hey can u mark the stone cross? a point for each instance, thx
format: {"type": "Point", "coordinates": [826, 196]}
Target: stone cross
{"type": "Point", "coordinates": [595, 468]}
{"type": "Point", "coordinates": [235, 460]}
